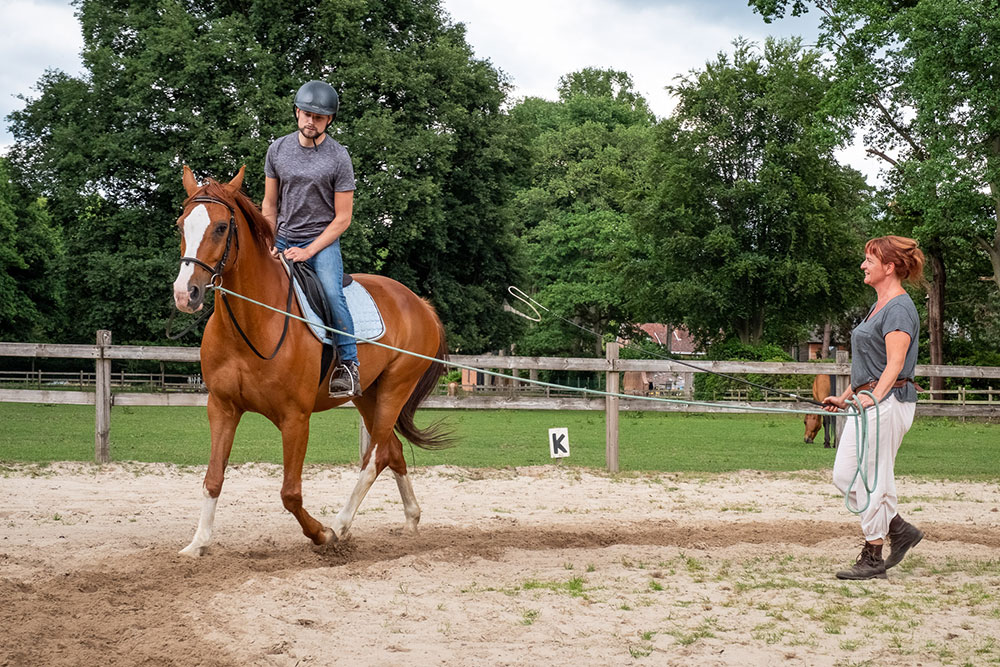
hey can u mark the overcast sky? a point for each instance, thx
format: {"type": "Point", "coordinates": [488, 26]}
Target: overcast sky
{"type": "Point", "coordinates": [533, 41]}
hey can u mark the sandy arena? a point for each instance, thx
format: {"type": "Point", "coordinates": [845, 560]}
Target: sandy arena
{"type": "Point", "coordinates": [532, 566]}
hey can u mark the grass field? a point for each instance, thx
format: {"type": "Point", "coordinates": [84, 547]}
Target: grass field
{"type": "Point", "coordinates": [935, 447]}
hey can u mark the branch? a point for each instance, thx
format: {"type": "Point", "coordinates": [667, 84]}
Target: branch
{"type": "Point", "coordinates": [878, 103]}
{"type": "Point", "coordinates": [899, 129]}
{"type": "Point", "coordinates": [878, 153]}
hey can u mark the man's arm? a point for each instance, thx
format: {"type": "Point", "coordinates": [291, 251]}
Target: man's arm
{"type": "Point", "coordinates": [269, 207]}
{"type": "Point", "coordinates": [343, 203]}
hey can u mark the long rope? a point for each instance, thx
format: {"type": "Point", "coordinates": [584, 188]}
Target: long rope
{"type": "Point", "coordinates": [860, 422]}
{"type": "Point", "coordinates": [520, 295]}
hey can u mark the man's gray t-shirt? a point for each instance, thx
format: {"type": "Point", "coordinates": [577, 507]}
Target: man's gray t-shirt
{"type": "Point", "coordinates": [307, 178]}
{"type": "Point", "coordinates": [868, 345]}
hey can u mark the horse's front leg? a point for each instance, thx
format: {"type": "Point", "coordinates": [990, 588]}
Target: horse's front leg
{"type": "Point", "coordinates": [294, 439]}
{"type": "Point", "coordinates": [223, 418]}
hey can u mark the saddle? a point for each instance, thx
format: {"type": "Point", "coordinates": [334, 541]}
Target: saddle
{"type": "Point", "coordinates": [368, 322]}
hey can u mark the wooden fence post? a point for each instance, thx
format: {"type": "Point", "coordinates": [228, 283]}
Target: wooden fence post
{"type": "Point", "coordinates": [102, 398]}
{"type": "Point", "coordinates": [843, 381]}
{"type": "Point", "coordinates": [611, 409]}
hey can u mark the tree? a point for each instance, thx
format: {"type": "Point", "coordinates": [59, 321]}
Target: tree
{"type": "Point", "coordinates": [31, 266]}
{"type": "Point", "coordinates": [920, 77]}
{"type": "Point", "coordinates": [584, 154]}
{"type": "Point", "coordinates": [750, 227]}
{"type": "Point", "coordinates": [210, 84]}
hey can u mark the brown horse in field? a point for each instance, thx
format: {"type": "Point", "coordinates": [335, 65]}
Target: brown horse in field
{"type": "Point", "coordinates": [820, 390]}
{"type": "Point", "coordinates": [226, 240]}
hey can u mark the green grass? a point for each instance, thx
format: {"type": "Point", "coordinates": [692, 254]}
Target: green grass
{"type": "Point", "coordinates": [935, 447]}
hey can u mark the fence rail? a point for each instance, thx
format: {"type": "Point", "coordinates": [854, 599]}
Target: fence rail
{"type": "Point", "coordinates": [502, 393]}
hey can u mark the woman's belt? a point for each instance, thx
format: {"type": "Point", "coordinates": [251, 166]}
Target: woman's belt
{"type": "Point", "coordinates": [869, 386]}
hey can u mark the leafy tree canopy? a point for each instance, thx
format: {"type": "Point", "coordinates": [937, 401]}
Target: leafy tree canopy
{"type": "Point", "coordinates": [31, 266]}
{"type": "Point", "coordinates": [749, 228]}
{"type": "Point", "coordinates": [585, 153]}
{"type": "Point", "coordinates": [210, 84]}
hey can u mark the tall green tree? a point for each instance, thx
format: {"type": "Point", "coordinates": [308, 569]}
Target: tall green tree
{"type": "Point", "coordinates": [32, 287]}
{"type": "Point", "coordinates": [210, 84]}
{"type": "Point", "coordinates": [750, 226]}
{"type": "Point", "coordinates": [585, 154]}
{"type": "Point", "coordinates": [920, 79]}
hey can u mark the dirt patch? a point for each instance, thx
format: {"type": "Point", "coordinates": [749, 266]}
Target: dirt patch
{"type": "Point", "coordinates": [531, 566]}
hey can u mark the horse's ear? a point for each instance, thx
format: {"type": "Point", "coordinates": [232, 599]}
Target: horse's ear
{"type": "Point", "coordinates": [237, 182]}
{"type": "Point", "coordinates": [190, 185]}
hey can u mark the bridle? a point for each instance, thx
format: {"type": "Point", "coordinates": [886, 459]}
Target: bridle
{"type": "Point", "coordinates": [232, 233]}
{"type": "Point", "coordinates": [216, 281]}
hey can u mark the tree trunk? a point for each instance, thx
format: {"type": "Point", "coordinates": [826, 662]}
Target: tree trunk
{"type": "Point", "coordinates": [824, 352]}
{"type": "Point", "coordinates": [935, 315]}
{"type": "Point", "coordinates": [993, 249]}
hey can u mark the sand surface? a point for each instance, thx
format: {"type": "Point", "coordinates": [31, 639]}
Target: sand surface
{"type": "Point", "coordinates": [534, 566]}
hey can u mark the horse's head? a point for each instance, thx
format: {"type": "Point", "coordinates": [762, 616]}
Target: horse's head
{"type": "Point", "coordinates": [209, 238]}
{"type": "Point", "coordinates": [813, 424]}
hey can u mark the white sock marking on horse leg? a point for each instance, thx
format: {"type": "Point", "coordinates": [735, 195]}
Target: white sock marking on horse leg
{"type": "Point", "coordinates": [342, 523]}
{"type": "Point", "coordinates": [410, 507]}
{"type": "Point", "coordinates": [203, 535]}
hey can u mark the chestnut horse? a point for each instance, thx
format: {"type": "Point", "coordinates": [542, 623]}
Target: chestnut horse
{"type": "Point", "coordinates": [226, 241]}
{"type": "Point", "coordinates": [820, 390]}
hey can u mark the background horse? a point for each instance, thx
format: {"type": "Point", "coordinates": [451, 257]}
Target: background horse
{"type": "Point", "coordinates": [225, 239]}
{"type": "Point", "coordinates": [820, 390]}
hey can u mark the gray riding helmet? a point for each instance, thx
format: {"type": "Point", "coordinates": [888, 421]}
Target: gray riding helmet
{"type": "Point", "coordinates": [318, 97]}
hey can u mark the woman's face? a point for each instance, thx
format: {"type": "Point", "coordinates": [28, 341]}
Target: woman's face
{"type": "Point", "coordinates": [875, 270]}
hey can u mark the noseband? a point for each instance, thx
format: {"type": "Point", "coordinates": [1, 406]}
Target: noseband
{"type": "Point", "coordinates": [232, 233]}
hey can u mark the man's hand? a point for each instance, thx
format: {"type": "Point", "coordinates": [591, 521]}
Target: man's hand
{"type": "Point", "coordinates": [295, 254]}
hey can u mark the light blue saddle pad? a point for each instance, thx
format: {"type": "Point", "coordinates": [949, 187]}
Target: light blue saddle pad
{"type": "Point", "coordinates": [367, 320]}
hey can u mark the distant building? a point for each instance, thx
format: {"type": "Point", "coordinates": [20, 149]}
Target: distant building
{"type": "Point", "coordinates": [674, 341]}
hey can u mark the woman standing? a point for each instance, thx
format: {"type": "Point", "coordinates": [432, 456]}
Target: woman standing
{"type": "Point", "coordinates": [884, 349]}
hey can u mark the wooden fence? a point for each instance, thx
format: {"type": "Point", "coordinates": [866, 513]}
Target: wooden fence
{"type": "Point", "coordinates": [505, 396]}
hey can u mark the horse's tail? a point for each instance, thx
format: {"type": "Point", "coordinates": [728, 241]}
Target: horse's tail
{"type": "Point", "coordinates": [435, 436]}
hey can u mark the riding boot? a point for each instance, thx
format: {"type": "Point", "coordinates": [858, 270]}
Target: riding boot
{"type": "Point", "coordinates": [903, 536]}
{"type": "Point", "coordinates": [345, 382]}
{"type": "Point", "coordinates": [868, 566]}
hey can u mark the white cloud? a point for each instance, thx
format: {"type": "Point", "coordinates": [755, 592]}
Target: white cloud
{"type": "Point", "coordinates": [37, 36]}
{"type": "Point", "coordinates": [537, 42]}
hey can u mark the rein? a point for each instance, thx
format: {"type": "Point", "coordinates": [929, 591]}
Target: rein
{"type": "Point", "coordinates": [216, 282]}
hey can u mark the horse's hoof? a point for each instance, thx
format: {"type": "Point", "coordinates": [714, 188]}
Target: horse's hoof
{"type": "Point", "coordinates": [326, 536]}
{"type": "Point", "coordinates": [191, 551]}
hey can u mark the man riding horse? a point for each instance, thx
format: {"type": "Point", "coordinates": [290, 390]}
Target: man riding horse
{"type": "Point", "coordinates": [308, 199]}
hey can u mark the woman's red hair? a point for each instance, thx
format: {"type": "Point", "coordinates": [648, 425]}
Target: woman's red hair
{"type": "Point", "coordinates": [900, 251]}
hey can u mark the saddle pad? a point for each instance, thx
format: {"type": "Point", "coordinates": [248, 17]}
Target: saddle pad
{"type": "Point", "coordinates": [367, 320]}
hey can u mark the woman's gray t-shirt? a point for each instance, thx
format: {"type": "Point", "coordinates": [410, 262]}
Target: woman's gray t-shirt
{"type": "Point", "coordinates": [868, 345]}
{"type": "Point", "coordinates": [307, 178]}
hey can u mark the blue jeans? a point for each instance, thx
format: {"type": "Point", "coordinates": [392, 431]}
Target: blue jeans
{"type": "Point", "coordinates": [329, 266]}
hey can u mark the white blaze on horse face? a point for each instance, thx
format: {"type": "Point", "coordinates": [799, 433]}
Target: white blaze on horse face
{"type": "Point", "coordinates": [195, 225]}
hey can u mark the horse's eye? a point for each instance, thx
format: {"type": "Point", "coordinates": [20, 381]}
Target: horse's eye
{"type": "Point", "coordinates": [220, 229]}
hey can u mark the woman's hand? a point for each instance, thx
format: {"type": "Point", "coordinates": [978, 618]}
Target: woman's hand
{"type": "Point", "coordinates": [834, 403]}
{"type": "Point", "coordinates": [866, 401]}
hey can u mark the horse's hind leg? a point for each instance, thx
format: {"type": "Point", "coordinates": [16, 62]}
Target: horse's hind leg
{"type": "Point", "coordinates": [380, 412]}
{"type": "Point", "coordinates": [222, 418]}
{"type": "Point", "coordinates": [411, 510]}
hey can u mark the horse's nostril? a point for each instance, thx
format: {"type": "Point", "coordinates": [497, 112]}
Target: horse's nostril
{"type": "Point", "coordinates": [194, 292]}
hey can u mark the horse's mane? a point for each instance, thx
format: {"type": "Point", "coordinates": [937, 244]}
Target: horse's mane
{"type": "Point", "coordinates": [260, 228]}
